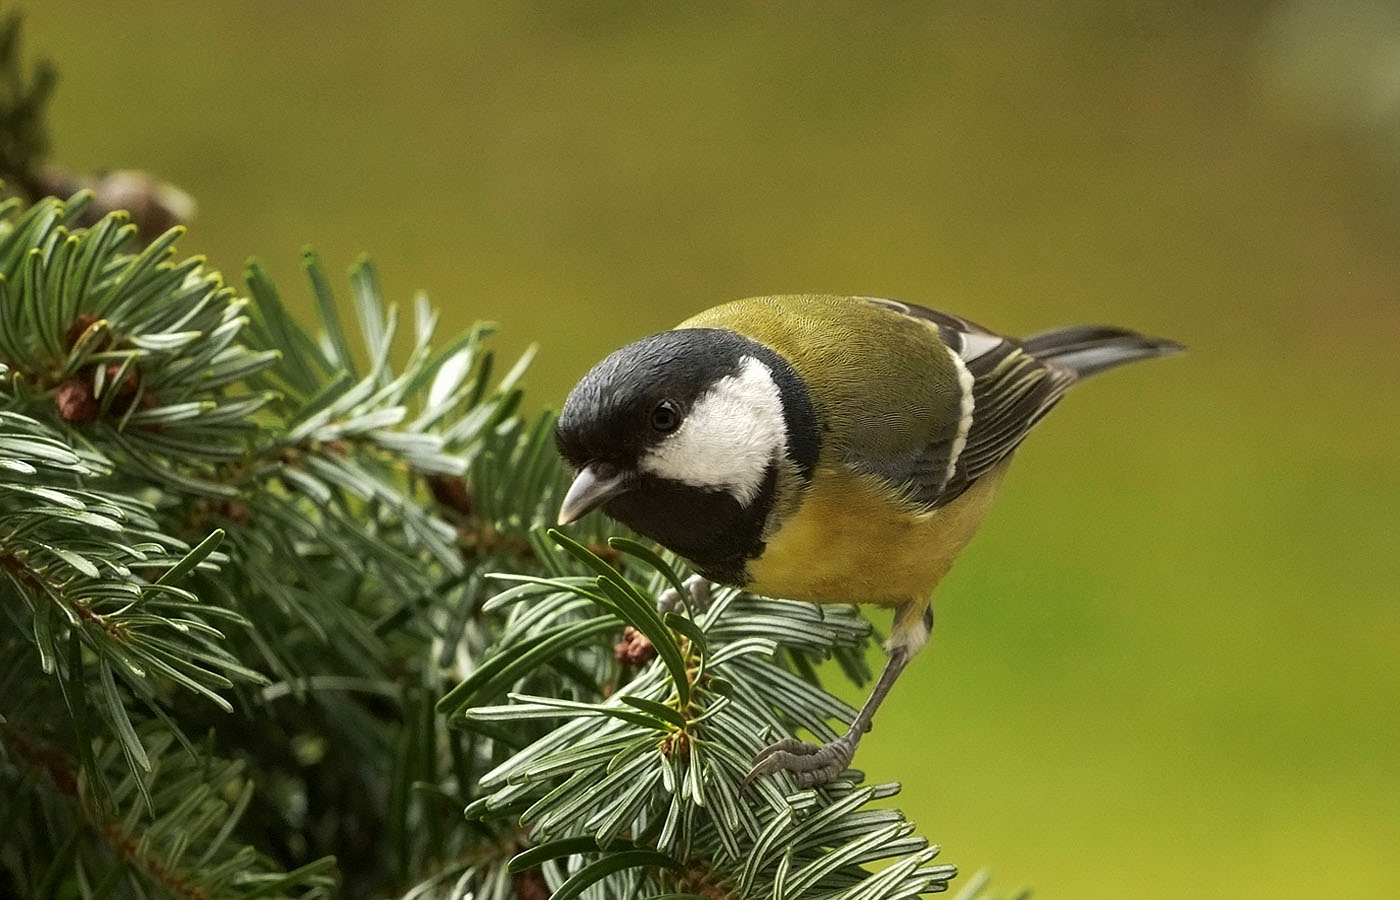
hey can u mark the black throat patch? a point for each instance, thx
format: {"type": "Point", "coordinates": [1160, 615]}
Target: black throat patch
{"type": "Point", "coordinates": [709, 529]}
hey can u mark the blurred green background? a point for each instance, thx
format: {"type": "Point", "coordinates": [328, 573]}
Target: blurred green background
{"type": "Point", "coordinates": [1170, 665]}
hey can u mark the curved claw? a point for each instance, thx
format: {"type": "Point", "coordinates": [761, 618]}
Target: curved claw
{"type": "Point", "coordinates": [811, 765]}
{"type": "Point", "coordinates": [786, 745]}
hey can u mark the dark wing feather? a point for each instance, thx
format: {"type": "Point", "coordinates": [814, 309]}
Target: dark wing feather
{"type": "Point", "coordinates": [1011, 391]}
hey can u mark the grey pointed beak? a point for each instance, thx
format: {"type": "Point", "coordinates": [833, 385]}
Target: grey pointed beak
{"type": "Point", "coordinates": [590, 490]}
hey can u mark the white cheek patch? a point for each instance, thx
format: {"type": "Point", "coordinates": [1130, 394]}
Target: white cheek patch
{"type": "Point", "coordinates": [729, 438]}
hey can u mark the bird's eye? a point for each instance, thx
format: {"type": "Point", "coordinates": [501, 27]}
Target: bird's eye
{"type": "Point", "coordinates": [665, 417]}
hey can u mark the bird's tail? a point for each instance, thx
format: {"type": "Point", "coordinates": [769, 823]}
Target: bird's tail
{"type": "Point", "coordinates": [1089, 349]}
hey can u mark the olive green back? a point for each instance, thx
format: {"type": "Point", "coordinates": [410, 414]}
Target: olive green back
{"type": "Point", "coordinates": [883, 384]}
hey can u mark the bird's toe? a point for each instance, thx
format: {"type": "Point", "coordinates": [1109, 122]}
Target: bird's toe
{"type": "Point", "coordinates": [698, 589]}
{"type": "Point", "coordinates": [811, 765]}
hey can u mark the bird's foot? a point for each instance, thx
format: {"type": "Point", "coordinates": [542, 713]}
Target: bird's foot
{"type": "Point", "coordinates": [699, 591]}
{"type": "Point", "coordinates": [811, 765]}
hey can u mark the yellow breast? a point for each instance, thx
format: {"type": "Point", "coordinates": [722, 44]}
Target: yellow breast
{"type": "Point", "coordinates": [852, 542]}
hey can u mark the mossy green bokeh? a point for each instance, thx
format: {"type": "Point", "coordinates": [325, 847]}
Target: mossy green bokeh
{"type": "Point", "coordinates": [1170, 666]}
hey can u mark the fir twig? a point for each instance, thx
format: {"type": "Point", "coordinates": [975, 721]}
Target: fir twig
{"type": "Point", "coordinates": [278, 606]}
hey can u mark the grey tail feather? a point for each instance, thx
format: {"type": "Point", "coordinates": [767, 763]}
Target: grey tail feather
{"type": "Point", "coordinates": [1089, 349]}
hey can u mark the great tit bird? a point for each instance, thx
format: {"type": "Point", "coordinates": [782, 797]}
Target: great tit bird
{"type": "Point", "coordinates": [821, 448]}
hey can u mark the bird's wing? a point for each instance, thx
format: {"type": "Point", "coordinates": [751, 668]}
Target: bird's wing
{"type": "Point", "coordinates": [1005, 391]}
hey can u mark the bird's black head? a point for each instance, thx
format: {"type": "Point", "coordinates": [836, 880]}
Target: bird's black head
{"type": "Point", "coordinates": [682, 436]}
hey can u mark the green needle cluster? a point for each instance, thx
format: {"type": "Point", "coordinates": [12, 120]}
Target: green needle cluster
{"type": "Point", "coordinates": [282, 618]}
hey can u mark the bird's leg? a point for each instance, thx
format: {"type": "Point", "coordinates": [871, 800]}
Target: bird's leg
{"type": "Point", "coordinates": [817, 764]}
{"type": "Point", "coordinates": [699, 591]}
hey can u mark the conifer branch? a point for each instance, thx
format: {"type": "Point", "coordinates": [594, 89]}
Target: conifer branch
{"type": "Point", "coordinates": [277, 606]}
